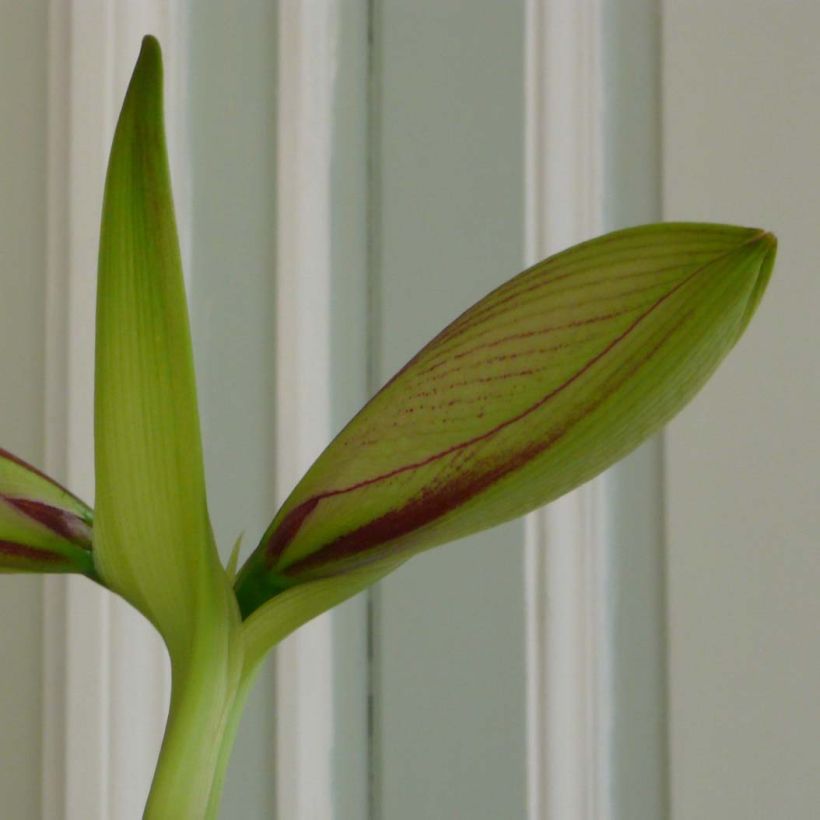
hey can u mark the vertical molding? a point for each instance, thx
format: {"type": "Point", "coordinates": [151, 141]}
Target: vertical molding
{"type": "Point", "coordinates": [55, 628]}
{"type": "Point", "coordinates": [567, 631]}
{"type": "Point", "coordinates": [636, 582]}
{"type": "Point", "coordinates": [105, 675]}
{"type": "Point", "coordinates": [308, 47]}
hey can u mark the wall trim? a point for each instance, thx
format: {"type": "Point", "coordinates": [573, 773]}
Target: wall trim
{"type": "Point", "coordinates": [568, 693]}
{"type": "Point", "coordinates": [308, 68]}
{"type": "Point", "coordinates": [105, 680]}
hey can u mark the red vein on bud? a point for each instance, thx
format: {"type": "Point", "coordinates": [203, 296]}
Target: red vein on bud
{"type": "Point", "coordinates": [62, 523]}
{"type": "Point", "coordinates": [434, 503]}
{"type": "Point", "coordinates": [294, 519]}
{"type": "Point", "coordinates": [24, 553]}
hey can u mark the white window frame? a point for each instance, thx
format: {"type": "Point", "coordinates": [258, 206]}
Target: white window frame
{"type": "Point", "coordinates": [104, 707]}
{"type": "Point", "coordinates": [567, 643]}
{"type": "Point", "coordinates": [568, 639]}
{"type": "Point", "coordinates": [105, 674]}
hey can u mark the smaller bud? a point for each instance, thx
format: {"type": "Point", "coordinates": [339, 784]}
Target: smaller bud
{"type": "Point", "coordinates": [43, 527]}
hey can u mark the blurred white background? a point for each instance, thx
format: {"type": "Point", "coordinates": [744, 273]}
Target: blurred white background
{"type": "Point", "coordinates": [399, 159]}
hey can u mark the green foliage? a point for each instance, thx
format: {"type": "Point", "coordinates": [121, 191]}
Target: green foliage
{"type": "Point", "coordinates": [43, 527]}
{"type": "Point", "coordinates": [537, 388]}
{"type": "Point", "coordinates": [534, 390]}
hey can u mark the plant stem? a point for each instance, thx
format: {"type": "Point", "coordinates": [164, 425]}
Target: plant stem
{"type": "Point", "coordinates": [228, 739]}
{"type": "Point", "coordinates": [198, 737]}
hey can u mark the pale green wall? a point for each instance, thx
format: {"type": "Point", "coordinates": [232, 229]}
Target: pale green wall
{"type": "Point", "coordinates": [232, 84]}
{"type": "Point", "coordinates": [741, 82]}
{"type": "Point", "coordinates": [448, 226]}
{"type": "Point", "coordinates": [634, 488]}
{"type": "Point", "coordinates": [449, 192]}
{"type": "Point", "coordinates": [349, 333]}
{"type": "Point", "coordinates": [428, 195]}
{"type": "Point", "coordinates": [23, 63]}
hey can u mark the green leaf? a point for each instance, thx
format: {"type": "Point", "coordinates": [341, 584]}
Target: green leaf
{"type": "Point", "coordinates": [278, 617]}
{"type": "Point", "coordinates": [534, 390]}
{"type": "Point", "coordinates": [153, 538]}
{"type": "Point", "coordinates": [43, 527]}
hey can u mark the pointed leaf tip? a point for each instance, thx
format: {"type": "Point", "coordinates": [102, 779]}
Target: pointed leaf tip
{"type": "Point", "coordinates": [150, 47]}
{"type": "Point", "coordinates": [537, 388]}
{"type": "Point", "coordinates": [154, 543]}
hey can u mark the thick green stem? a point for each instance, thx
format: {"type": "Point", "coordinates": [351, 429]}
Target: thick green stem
{"type": "Point", "coordinates": [189, 757]}
{"type": "Point", "coordinates": [228, 739]}
{"type": "Point", "coordinates": [206, 668]}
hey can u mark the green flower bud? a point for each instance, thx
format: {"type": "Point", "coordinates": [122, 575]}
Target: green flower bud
{"type": "Point", "coordinates": [540, 386]}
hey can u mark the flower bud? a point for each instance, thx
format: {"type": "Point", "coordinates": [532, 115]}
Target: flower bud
{"type": "Point", "coordinates": [541, 385]}
{"type": "Point", "coordinates": [43, 527]}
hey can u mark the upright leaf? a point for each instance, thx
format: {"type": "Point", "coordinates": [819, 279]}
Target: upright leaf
{"type": "Point", "coordinates": [153, 540]}
{"type": "Point", "coordinates": [537, 388]}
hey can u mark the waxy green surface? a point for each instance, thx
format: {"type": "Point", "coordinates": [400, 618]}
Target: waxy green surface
{"type": "Point", "coordinates": [541, 385]}
{"type": "Point", "coordinates": [43, 527]}
{"type": "Point", "coordinates": [537, 388]}
{"type": "Point", "coordinates": [153, 540]}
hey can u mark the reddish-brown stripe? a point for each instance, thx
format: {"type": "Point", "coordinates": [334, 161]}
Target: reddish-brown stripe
{"type": "Point", "coordinates": [481, 323]}
{"type": "Point", "coordinates": [527, 334]}
{"type": "Point", "coordinates": [428, 507]}
{"type": "Point", "coordinates": [24, 553]}
{"type": "Point", "coordinates": [290, 525]}
{"type": "Point", "coordinates": [531, 371]}
{"type": "Point", "coordinates": [293, 520]}
{"type": "Point", "coordinates": [60, 522]}
{"type": "Point", "coordinates": [474, 319]}
{"type": "Point", "coordinates": [432, 504]}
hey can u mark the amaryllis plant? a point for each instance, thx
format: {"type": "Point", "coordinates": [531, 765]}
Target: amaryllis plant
{"type": "Point", "coordinates": [538, 387]}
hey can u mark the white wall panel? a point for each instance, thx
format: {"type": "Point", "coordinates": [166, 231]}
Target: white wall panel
{"type": "Point", "coordinates": [741, 80]}
{"type": "Point", "coordinates": [231, 162]}
{"type": "Point", "coordinates": [23, 71]}
{"type": "Point", "coordinates": [449, 675]}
